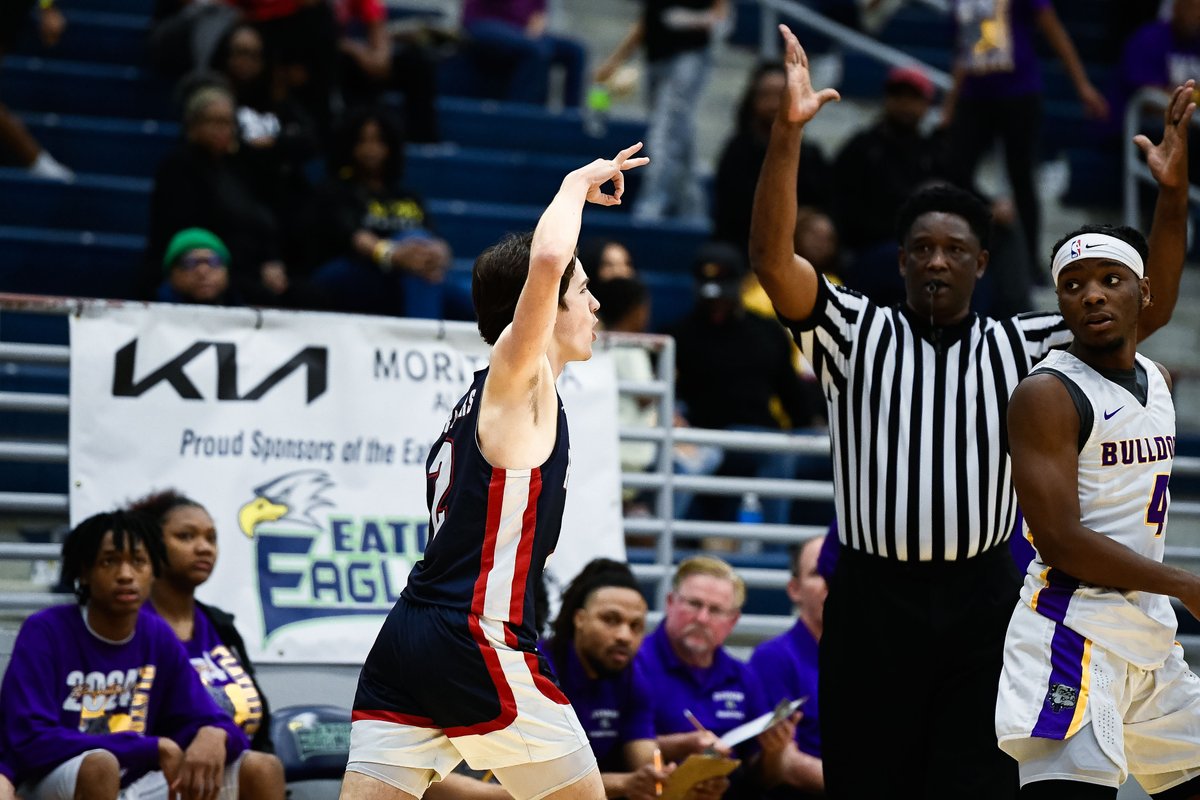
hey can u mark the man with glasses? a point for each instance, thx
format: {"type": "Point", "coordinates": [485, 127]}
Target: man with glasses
{"type": "Point", "coordinates": [690, 671]}
{"type": "Point", "coordinates": [196, 270]}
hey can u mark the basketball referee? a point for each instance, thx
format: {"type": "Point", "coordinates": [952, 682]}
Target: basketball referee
{"type": "Point", "coordinates": [917, 396]}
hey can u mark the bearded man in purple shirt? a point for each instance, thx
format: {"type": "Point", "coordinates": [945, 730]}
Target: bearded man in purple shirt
{"type": "Point", "coordinates": [599, 628]}
{"type": "Point", "coordinates": [99, 698]}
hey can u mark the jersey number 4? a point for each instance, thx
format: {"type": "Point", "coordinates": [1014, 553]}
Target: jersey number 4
{"type": "Point", "coordinates": [1156, 512]}
{"type": "Point", "coordinates": [441, 476]}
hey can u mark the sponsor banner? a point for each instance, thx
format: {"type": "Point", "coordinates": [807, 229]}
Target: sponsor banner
{"type": "Point", "coordinates": [305, 436]}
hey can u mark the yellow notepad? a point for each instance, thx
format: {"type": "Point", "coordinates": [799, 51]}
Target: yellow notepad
{"type": "Point", "coordinates": [693, 770]}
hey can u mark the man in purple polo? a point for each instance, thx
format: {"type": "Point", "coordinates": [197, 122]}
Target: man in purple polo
{"type": "Point", "coordinates": [599, 628]}
{"type": "Point", "coordinates": [690, 670]}
{"type": "Point", "coordinates": [787, 664]}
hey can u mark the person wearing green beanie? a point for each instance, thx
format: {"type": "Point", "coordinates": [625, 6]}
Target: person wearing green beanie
{"type": "Point", "coordinates": [196, 269]}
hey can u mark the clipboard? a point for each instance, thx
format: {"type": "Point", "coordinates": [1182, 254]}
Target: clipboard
{"type": "Point", "coordinates": [694, 769]}
{"type": "Point", "coordinates": [748, 730]}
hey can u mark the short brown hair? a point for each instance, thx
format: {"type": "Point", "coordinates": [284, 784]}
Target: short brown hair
{"type": "Point", "coordinates": [713, 567]}
{"type": "Point", "coordinates": [498, 278]}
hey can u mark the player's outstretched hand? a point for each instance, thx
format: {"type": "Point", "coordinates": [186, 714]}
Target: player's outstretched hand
{"type": "Point", "coordinates": [603, 170]}
{"type": "Point", "coordinates": [1168, 160]}
{"type": "Point", "coordinates": [800, 101]}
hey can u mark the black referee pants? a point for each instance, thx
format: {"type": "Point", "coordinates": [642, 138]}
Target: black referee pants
{"type": "Point", "coordinates": [910, 664]}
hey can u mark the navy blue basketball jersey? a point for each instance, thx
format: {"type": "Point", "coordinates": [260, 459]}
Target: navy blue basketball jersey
{"type": "Point", "coordinates": [490, 530]}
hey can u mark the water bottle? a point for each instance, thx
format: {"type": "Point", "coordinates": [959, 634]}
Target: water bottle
{"type": "Point", "coordinates": [751, 511]}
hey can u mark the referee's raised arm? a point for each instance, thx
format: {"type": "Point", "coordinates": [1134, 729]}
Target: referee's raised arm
{"type": "Point", "coordinates": [789, 280]}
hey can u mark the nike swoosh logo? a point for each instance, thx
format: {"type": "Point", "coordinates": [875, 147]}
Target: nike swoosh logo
{"type": "Point", "coordinates": [1111, 414]}
{"type": "Point", "coordinates": [1089, 247]}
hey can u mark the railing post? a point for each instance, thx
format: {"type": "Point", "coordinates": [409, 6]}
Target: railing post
{"type": "Point", "coordinates": [768, 33]}
{"type": "Point", "coordinates": [665, 507]}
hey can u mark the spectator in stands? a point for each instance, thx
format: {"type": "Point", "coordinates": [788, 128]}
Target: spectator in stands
{"type": "Point", "coordinates": [605, 258]}
{"type": "Point", "coordinates": [599, 629]}
{"type": "Point", "coordinates": [276, 137]}
{"type": "Point", "coordinates": [737, 170]}
{"type": "Point", "coordinates": [689, 668]}
{"type": "Point", "coordinates": [370, 240]}
{"type": "Point", "coordinates": [1163, 54]}
{"type": "Point", "coordinates": [875, 171]}
{"type": "Point", "coordinates": [197, 186]}
{"type": "Point", "coordinates": [184, 34]}
{"type": "Point", "coordinates": [189, 542]}
{"type": "Point", "coordinates": [787, 664]}
{"type": "Point", "coordinates": [100, 695]}
{"type": "Point", "coordinates": [625, 308]}
{"type": "Point", "coordinates": [300, 37]}
{"type": "Point", "coordinates": [997, 93]}
{"type": "Point", "coordinates": [16, 142]}
{"type": "Point", "coordinates": [197, 270]}
{"type": "Point", "coordinates": [371, 62]}
{"type": "Point", "coordinates": [730, 365]}
{"type": "Point", "coordinates": [677, 36]}
{"type": "Point", "coordinates": [513, 35]}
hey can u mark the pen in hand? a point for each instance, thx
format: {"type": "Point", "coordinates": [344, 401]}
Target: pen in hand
{"type": "Point", "coordinates": [657, 768]}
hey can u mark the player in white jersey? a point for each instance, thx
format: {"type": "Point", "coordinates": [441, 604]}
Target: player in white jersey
{"type": "Point", "coordinates": [1094, 686]}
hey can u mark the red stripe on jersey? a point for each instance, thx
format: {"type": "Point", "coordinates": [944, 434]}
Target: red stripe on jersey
{"type": "Point", "coordinates": [393, 716]}
{"type": "Point", "coordinates": [544, 684]}
{"type": "Point", "coordinates": [508, 703]}
{"type": "Point", "coordinates": [487, 559]}
{"type": "Point", "coordinates": [516, 604]}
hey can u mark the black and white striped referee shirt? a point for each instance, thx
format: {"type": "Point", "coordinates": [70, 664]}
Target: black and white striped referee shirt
{"type": "Point", "coordinates": [917, 420]}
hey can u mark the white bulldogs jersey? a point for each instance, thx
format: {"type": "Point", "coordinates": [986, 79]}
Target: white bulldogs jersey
{"type": "Point", "coordinates": [1124, 470]}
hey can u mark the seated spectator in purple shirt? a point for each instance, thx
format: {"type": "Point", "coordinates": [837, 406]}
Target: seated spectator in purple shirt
{"type": "Point", "coordinates": [213, 644]}
{"type": "Point", "coordinates": [599, 628]}
{"type": "Point", "coordinates": [101, 695]}
{"type": "Point", "coordinates": [196, 269]}
{"type": "Point", "coordinates": [513, 33]}
{"type": "Point", "coordinates": [787, 664]}
{"type": "Point", "coordinates": [689, 669]}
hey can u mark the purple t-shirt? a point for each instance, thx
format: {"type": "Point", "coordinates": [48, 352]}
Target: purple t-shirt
{"type": "Point", "coordinates": [222, 674]}
{"type": "Point", "coordinates": [787, 668]}
{"type": "Point", "coordinates": [994, 43]}
{"type": "Point", "coordinates": [613, 710]}
{"type": "Point", "coordinates": [1155, 56]}
{"type": "Point", "coordinates": [722, 696]}
{"type": "Point", "coordinates": [67, 690]}
{"type": "Point", "coordinates": [514, 12]}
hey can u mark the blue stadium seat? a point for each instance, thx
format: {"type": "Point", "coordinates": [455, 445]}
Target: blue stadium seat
{"type": "Point", "coordinates": [92, 36]}
{"type": "Point", "coordinates": [134, 7]}
{"type": "Point", "coordinates": [89, 203]}
{"type": "Point", "coordinates": [470, 227]}
{"type": "Point", "coordinates": [80, 87]}
{"type": "Point", "coordinates": [492, 176]}
{"type": "Point", "coordinates": [44, 261]}
{"type": "Point", "coordinates": [531, 129]}
{"type": "Point", "coordinates": [105, 145]}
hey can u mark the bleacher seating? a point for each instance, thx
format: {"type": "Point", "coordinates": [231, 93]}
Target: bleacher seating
{"type": "Point", "coordinates": [93, 103]}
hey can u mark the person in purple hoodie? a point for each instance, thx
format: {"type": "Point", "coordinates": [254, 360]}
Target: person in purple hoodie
{"type": "Point", "coordinates": [99, 698]}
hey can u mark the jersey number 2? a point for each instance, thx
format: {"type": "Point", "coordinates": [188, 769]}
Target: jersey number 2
{"type": "Point", "coordinates": [441, 472]}
{"type": "Point", "coordinates": [1156, 512]}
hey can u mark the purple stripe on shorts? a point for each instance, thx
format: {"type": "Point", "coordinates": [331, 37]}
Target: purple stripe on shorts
{"type": "Point", "coordinates": [1066, 659]}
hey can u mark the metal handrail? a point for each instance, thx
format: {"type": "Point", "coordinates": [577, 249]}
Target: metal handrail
{"type": "Point", "coordinates": [846, 36]}
{"type": "Point", "coordinates": [1135, 170]}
